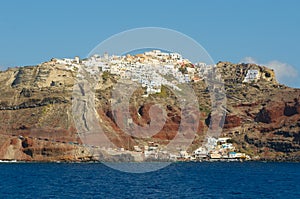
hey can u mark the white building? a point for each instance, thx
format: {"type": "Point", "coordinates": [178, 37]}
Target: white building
{"type": "Point", "coordinates": [201, 152]}
{"type": "Point", "coordinates": [77, 60]}
{"type": "Point", "coordinates": [252, 75]}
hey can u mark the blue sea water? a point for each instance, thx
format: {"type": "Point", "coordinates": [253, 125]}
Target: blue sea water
{"type": "Point", "coordinates": [179, 180]}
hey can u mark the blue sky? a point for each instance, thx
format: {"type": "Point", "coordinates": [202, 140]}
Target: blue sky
{"type": "Point", "coordinates": [265, 32]}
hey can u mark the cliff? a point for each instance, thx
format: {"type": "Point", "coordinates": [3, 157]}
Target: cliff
{"type": "Point", "coordinates": [263, 116]}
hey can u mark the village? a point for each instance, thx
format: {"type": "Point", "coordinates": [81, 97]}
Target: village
{"type": "Point", "coordinates": [151, 69]}
{"type": "Point", "coordinates": [216, 149]}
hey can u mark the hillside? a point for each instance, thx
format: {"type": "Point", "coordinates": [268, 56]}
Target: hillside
{"type": "Point", "coordinates": [37, 120]}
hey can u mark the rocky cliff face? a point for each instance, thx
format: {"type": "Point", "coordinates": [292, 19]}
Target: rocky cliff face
{"type": "Point", "coordinates": [263, 117]}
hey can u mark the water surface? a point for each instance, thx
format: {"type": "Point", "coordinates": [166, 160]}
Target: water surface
{"type": "Point", "coordinates": [179, 180]}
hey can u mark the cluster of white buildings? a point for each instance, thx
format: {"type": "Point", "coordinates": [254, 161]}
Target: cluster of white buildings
{"type": "Point", "coordinates": [151, 69]}
{"type": "Point", "coordinates": [148, 68]}
{"type": "Point", "coordinates": [219, 148]}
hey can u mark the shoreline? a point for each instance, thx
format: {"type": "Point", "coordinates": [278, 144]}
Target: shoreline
{"type": "Point", "coordinates": [141, 162]}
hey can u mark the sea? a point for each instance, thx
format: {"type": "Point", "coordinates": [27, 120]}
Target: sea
{"type": "Point", "coordinates": [178, 180]}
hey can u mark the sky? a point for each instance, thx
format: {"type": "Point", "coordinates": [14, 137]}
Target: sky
{"type": "Point", "coordinates": [264, 32]}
